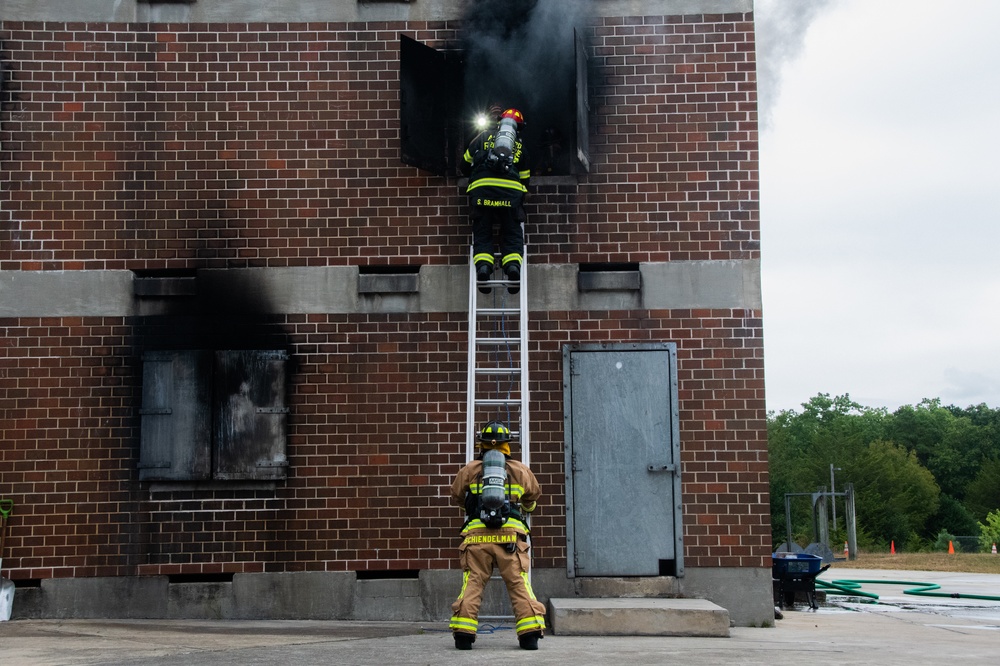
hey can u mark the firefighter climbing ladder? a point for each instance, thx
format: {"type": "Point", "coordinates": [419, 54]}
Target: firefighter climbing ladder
{"type": "Point", "coordinates": [498, 367]}
{"type": "Point", "coordinates": [498, 359]}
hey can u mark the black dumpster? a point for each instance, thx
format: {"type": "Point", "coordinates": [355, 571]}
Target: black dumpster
{"type": "Point", "coordinates": [792, 573]}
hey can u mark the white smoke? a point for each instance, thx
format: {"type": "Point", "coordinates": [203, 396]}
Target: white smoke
{"type": "Point", "coordinates": [522, 50]}
{"type": "Point", "coordinates": [781, 27]}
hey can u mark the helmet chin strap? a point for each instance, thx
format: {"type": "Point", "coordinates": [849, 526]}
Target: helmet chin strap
{"type": "Point", "coordinates": [503, 448]}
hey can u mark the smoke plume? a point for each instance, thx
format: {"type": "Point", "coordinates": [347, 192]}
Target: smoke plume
{"type": "Point", "coordinates": [781, 28]}
{"type": "Point", "coordinates": [520, 53]}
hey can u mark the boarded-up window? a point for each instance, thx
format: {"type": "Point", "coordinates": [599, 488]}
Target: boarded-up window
{"type": "Point", "coordinates": [249, 431]}
{"type": "Point", "coordinates": [213, 415]}
{"type": "Point", "coordinates": [176, 416]}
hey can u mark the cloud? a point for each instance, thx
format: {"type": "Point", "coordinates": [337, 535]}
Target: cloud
{"type": "Point", "coordinates": [878, 221]}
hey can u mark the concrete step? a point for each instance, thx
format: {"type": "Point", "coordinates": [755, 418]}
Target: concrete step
{"type": "Point", "coordinates": [638, 617]}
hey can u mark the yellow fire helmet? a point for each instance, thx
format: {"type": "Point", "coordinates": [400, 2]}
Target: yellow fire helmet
{"type": "Point", "coordinates": [495, 435]}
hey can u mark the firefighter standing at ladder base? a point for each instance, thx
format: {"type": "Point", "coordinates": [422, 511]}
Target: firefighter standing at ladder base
{"type": "Point", "coordinates": [498, 180]}
{"type": "Point", "coordinates": [497, 493]}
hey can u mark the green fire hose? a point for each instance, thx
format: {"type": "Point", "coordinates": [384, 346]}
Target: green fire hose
{"type": "Point", "coordinates": [853, 588]}
{"type": "Point", "coordinates": [6, 508]}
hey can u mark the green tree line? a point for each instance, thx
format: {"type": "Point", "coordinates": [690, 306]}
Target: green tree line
{"type": "Point", "coordinates": [919, 472]}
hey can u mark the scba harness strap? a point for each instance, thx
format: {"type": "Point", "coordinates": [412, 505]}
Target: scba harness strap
{"type": "Point", "coordinates": [499, 152]}
{"type": "Point", "coordinates": [491, 518]}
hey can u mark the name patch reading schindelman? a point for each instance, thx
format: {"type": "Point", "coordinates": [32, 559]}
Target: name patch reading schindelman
{"type": "Point", "coordinates": [491, 538]}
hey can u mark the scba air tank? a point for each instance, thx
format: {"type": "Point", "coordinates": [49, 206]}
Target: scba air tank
{"type": "Point", "coordinates": [504, 143]}
{"type": "Point", "coordinates": [495, 507]}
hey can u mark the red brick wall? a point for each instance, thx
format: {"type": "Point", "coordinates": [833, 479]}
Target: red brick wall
{"type": "Point", "coordinates": [192, 146]}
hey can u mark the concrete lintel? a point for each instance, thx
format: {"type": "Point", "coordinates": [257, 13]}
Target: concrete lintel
{"type": "Point", "coordinates": [334, 289]}
{"type": "Point", "coordinates": [669, 7]}
{"type": "Point", "coordinates": [300, 290]}
{"type": "Point", "coordinates": [234, 11]}
{"type": "Point", "coordinates": [66, 293]}
{"type": "Point", "coordinates": [701, 284]}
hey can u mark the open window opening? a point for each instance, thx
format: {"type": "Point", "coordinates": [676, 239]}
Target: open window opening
{"type": "Point", "coordinates": [443, 91]}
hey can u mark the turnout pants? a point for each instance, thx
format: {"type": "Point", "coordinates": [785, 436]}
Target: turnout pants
{"type": "Point", "coordinates": [509, 221]}
{"type": "Point", "coordinates": [478, 560]}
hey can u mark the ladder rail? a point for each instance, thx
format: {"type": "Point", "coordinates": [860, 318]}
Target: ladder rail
{"type": "Point", "coordinates": [523, 439]}
{"type": "Point", "coordinates": [497, 342]}
{"type": "Point", "coordinates": [521, 433]}
{"type": "Point", "coordinates": [470, 408]}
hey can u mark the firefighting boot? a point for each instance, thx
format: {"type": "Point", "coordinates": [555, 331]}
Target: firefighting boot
{"type": "Point", "coordinates": [529, 641]}
{"type": "Point", "coordinates": [465, 641]}
{"type": "Point", "coordinates": [513, 271]}
{"type": "Point", "coordinates": [484, 271]}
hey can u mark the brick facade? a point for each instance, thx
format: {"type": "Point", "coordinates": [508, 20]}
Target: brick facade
{"type": "Point", "coordinates": [175, 147]}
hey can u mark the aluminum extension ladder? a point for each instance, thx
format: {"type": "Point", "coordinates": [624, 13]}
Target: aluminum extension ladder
{"type": "Point", "coordinates": [497, 381]}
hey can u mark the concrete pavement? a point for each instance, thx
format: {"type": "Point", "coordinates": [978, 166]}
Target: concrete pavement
{"type": "Point", "coordinates": [899, 629]}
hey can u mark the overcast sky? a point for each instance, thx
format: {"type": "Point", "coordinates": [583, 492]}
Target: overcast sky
{"type": "Point", "coordinates": [880, 135]}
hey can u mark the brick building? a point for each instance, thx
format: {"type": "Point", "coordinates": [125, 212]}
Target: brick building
{"type": "Point", "coordinates": [220, 188]}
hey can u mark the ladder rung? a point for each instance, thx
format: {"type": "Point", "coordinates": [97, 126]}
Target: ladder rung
{"type": "Point", "coordinates": [497, 311]}
{"type": "Point", "coordinates": [498, 324]}
{"type": "Point", "coordinates": [497, 618]}
{"type": "Point", "coordinates": [498, 283]}
{"type": "Point", "coordinates": [497, 401]}
{"type": "Point", "coordinates": [498, 341]}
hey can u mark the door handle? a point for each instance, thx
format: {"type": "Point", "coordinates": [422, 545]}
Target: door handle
{"type": "Point", "coordinates": [661, 468]}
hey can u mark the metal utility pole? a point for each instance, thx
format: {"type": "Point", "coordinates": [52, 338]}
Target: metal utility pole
{"type": "Point", "coordinates": [833, 495]}
{"type": "Point", "coordinates": [852, 524]}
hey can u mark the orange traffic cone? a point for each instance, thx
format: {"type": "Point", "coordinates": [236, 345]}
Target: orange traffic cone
{"type": "Point", "coordinates": [892, 547]}
{"type": "Point", "coordinates": [846, 552]}
{"type": "Point", "coordinates": [951, 548]}
{"type": "Point", "coordinates": [994, 549]}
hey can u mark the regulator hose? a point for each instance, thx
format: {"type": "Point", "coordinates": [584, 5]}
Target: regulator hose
{"type": "Point", "coordinates": [853, 588]}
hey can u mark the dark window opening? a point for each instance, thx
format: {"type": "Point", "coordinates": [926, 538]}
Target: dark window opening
{"type": "Point", "coordinates": [387, 574]}
{"type": "Point", "coordinates": [213, 415]}
{"type": "Point", "coordinates": [609, 267]}
{"type": "Point", "coordinates": [443, 91]}
{"type": "Point", "coordinates": [28, 583]}
{"type": "Point", "coordinates": [388, 279]}
{"type": "Point", "coordinates": [371, 269]}
{"type": "Point", "coordinates": [668, 567]}
{"type": "Point", "coordinates": [175, 579]}
{"type": "Point", "coordinates": [164, 273]}
{"type": "Point", "coordinates": [164, 283]}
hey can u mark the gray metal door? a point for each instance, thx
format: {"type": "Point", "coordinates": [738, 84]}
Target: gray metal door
{"type": "Point", "coordinates": [623, 460]}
